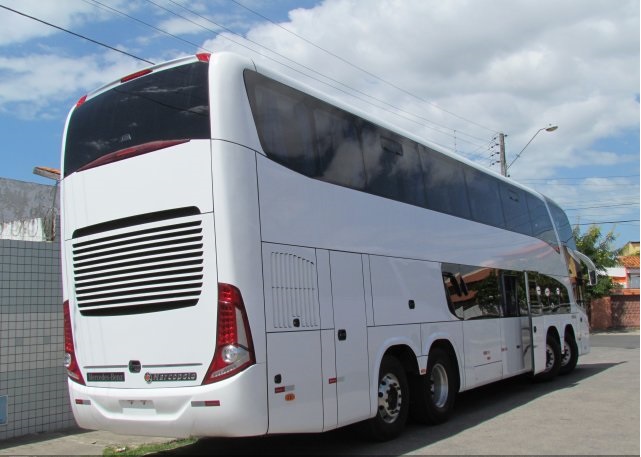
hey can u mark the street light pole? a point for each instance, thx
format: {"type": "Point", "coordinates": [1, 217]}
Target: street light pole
{"type": "Point", "coordinates": [550, 128]}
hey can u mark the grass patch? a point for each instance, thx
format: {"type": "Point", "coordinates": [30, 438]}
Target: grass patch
{"type": "Point", "coordinates": [145, 449]}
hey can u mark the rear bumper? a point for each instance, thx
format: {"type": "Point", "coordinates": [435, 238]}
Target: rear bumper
{"type": "Point", "coordinates": [232, 407]}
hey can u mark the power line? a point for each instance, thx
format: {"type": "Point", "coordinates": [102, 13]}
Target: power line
{"type": "Point", "coordinates": [608, 222]}
{"type": "Point", "coordinates": [578, 178]}
{"type": "Point", "coordinates": [601, 206]}
{"type": "Point", "coordinates": [369, 73]}
{"type": "Point", "coordinates": [77, 34]}
{"type": "Point", "coordinates": [117, 11]}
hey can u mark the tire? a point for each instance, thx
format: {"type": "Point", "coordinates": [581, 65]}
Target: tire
{"type": "Point", "coordinates": [435, 392]}
{"type": "Point", "coordinates": [569, 355]}
{"type": "Point", "coordinates": [552, 360]}
{"type": "Point", "coordinates": [393, 402]}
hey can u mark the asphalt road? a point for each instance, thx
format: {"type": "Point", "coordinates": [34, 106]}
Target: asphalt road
{"type": "Point", "coordinates": [594, 410]}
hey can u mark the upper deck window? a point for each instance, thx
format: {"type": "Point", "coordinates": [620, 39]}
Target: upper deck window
{"type": "Point", "coordinates": [171, 104]}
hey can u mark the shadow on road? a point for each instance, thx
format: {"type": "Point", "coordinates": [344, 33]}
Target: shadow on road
{"type": "Point", "coordinates": [472, 408]}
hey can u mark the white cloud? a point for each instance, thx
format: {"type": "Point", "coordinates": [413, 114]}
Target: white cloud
{"type": "Point", "coordinates": [15, 28]}
{"type": "Point", "coordinates": [36, 85]}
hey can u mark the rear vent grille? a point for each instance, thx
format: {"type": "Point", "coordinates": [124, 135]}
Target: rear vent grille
{"type": "Point", "coordinates": [139, 271]}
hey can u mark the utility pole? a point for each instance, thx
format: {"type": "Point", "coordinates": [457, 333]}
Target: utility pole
{"type": "Point", "coordinates": [502, 154]}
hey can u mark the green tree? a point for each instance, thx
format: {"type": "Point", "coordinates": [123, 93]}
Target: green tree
{"type": "Point", "coordinates": [599, 248]}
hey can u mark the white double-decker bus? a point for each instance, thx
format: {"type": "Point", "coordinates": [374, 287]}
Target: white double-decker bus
{"type": "Point", "coordinates": [244, 256]}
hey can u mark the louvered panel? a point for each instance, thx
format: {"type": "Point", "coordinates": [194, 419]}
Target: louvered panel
{"type": "Point", "coordinates": [294, 296]}
{"type": "Point", "coordinates": [152, 268]}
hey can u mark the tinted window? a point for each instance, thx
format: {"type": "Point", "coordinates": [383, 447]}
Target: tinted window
{"type": "Point", "coordinates": [392, 166]}
{"type": "Point", "coordinates": [483, 194]}
{"type": "Point", "coordinates": [167, 105]}
{"type": "Point", "coordinates": [547, 295]}
{"type": "Point", "coordinates": [336, 139]}
{"type": "Point", "coordinates": [562, 224]}
{"type": "Point", "coordinates": [515, 211]}
{"type": "Point", "coordinates": [514, 300]}
{"type": "Point", "coordinates": [444, 184]}
{"type": "Point", "coordinates": [540, 220]}
{"type": "Point", "coordinates": [452, 286]}
{"type": "Point", "coordinates": [473, 292]}
{"type": "Point", "coordinates": [285, 127]}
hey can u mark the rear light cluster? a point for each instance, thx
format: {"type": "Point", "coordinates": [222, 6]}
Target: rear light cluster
{"type": "Point", "coordinates": [71, 364]}
{"type": "Point", "coordinates": [234, 347]}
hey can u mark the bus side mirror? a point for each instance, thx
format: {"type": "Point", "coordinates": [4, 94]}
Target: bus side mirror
{"type": "Point", "coordinates": [592, 276]}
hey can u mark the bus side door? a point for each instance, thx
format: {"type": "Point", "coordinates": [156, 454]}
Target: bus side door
{"type": "Point", "coordinates": [516, 328]}
{"type": "Point", "coordinates": [352, 363]}
{"type": "Point", "coordinates": [538, 323]}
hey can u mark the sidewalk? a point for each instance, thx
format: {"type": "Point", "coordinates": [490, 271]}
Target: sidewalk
{"type": "Point", "coordinates": [71, 442]}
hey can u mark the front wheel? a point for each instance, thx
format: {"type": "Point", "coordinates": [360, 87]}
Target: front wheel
{"type": "Point", "coordinates": [393, 401]}
{"type": "Point", "coordinates": [570, 355]}
{"type": "Point", "coordinates": [435, 392]}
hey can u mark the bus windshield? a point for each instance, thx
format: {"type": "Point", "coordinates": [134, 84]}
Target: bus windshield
{"type": "Point", "coordinates": [172, 104]}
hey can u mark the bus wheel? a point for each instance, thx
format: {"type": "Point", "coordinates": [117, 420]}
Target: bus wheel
{"type": "Point", "coordinates": [393, 401]}
{"type": "Point", "coordinates": [570, 355]}
{"type": "Point", "coordinates": [436, 391]}
{"type": "Point", "coordinates": [552, 359]}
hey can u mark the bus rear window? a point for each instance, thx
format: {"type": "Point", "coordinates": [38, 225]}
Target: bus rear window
{"type": "Point", "coordinates": [171, 104]}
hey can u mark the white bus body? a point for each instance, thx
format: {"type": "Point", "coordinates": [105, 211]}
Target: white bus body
{"type": "Point", "coordinates": [212, 291]}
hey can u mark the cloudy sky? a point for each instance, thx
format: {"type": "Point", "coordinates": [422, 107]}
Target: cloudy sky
{"type": "Point", "coordinates": [455, 72]}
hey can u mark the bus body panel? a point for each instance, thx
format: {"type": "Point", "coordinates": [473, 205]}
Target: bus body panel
{"type": "Point", "coordinates": [237, 221]}
{"type": "Point", "coordinates": [139, 185]}
{"type": "Point", "coordinates": [295, 382]}
{"type": "Point", "coordinates": [407, 291]}
{"type": "Point", "coordinates": [231, 117]}
{"type": "Point", "coordinates": [125, 265]}
{"type": "Point", "coordinates": [582, 331]}
{"type": "Point", "coordinates": [238, 408]}
{"type": "Point", "coordinates": [352, 360]}
{"type": "Point", "coordinates": [483, 355]}
{"type": "Point", "coordinates": [515, 345]}
{"type": "Point", "coordinates": [305, 212]}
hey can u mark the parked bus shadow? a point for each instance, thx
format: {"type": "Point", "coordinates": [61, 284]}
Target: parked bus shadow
{"type": "Point", "coordinates": [472, 408]}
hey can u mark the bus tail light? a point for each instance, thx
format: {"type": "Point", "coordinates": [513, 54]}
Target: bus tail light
{"type": "Point", "coordinates": [234, 347]}
{"type": "Point", "coordinates": [135, 75]}
{"type": "Point", "coordinates": [71, 364]}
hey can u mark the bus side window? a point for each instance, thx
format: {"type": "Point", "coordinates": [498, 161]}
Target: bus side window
{"type": "Point", "coordinates": [392, 165]}
{"type": "Point", "coordinates": [284, 127]}
{"type": "Point", "coordinates": [536, 305]}
{"type": "Point", "coordinates": [554, 295]}
{"type": "Point", "coordinates": [340, 154]}
{"type": "Point", "coordinates": [453, 293]}
{"type": "Point", "coordinates": [514, 300]}
{"type": "Point", "coordinates": [510, 299]}
{"type": "Point", "coordinates": [541, 222]}
{"type": "Point", "coordinates": [483, 195]}
{"type": "Point", "coordinates": [444, 184]}
{"type": "Point", "coordinates": [482, 300]}
{"type": "Point", "coordinates": [517, 217]}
